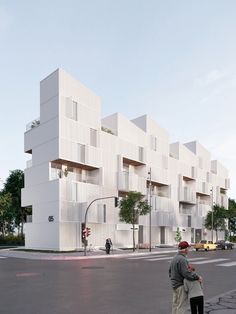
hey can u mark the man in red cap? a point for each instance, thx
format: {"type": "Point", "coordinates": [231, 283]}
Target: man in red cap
{"type": "Point", "coordinates": [177, 272]}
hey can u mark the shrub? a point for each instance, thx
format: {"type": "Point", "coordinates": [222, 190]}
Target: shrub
{"type": "Point", "coordinates": [12, 240]}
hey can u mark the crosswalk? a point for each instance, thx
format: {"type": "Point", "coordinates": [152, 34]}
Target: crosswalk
{"type": "Point", "coordinates": [3, 257]}
{"type": "Point", "coordinates": [223, 262]}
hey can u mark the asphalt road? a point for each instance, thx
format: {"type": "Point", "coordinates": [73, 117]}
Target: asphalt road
{"type": "Point", "coordinates": [120, 285]}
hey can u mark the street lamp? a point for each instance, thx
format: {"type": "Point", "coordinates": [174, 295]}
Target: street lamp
{"type": "Point", "coordinates": [150, 204]}
{"type": "Point", "coordinates": [212, 216]}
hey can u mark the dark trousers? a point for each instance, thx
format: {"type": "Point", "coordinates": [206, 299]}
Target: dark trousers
{"type": "Point", "coordinates": [197, 305]}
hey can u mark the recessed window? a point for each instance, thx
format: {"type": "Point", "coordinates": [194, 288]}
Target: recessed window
{"type": "Point", "coordinates": [81, 153]}
{"type": "Point", "coordinates": [104, 213]}
{"type": "Point", "coordinates": [141, 153]}
{"type": "Point", "coordinates": [71, 109]}
{"type": "Point", "coordinates": [153, 142]}
{"type": "Point", "coordinates": [93, 137]}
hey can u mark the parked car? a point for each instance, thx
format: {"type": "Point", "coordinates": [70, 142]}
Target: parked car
{"type": "Point", "coordinates": [224, 245]}
{"type": "Point", "coordinates": [205, 245]}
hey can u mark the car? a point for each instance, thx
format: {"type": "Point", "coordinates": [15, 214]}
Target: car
{"type": "Point", "coordinates": [224, 245]}
{"type": "Point", "coordinates": [205, 245]}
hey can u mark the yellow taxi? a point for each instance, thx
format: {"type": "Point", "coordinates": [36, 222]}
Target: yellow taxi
{"type": "Point", "coordinates": [205, 245]}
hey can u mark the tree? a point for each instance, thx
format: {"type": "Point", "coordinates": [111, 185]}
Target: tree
{"type": "Point", "coordinates": [6, 214]}
{"type": "Point", "coordinates": [231, 215]}
{"type": "Point", "coordinates": [131, 207]}
{"type": "Point", "coordinates": [14, 184]}
{"type": "Point", "coordinates": [219, 215]}
{"type": "Point", "coordinates": [178, 236]}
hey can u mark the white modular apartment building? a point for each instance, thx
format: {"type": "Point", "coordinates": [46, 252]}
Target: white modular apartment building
{"type": "Point", "coordinates": [78, 157]}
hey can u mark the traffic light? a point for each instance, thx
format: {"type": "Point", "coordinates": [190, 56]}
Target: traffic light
{"type": "Point", "coordinates": [88, 231]}
{"type": "Point", "coordinates": [116, 201]}
{"type": "Point", "coordinates": [83, 232]}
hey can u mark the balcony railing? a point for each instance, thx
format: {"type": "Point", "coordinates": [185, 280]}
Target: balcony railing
{"type": "Point", "coordinates": [187, 195]}
{"type": "Point", "coordinates": [131, 182]}
{"type": "Point", "coordinates": [71, 176]}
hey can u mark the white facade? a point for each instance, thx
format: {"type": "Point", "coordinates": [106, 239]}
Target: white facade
{"type": "Point", "coordinates": [78, 157]}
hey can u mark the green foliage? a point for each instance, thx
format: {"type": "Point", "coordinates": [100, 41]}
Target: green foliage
{"type": "Point", "coordinates": [12, 240]}
{"type": "Point", "coordinates": [231, 215]}
{"type": "Point", "coordinates": [178, 236]}
{"type": "Point", "coordinates": [233, 239]}
{"type": "Point", "coordinates": [13, 186]}
{"type": "Point", "coordinates": [6, 214]}
{"type": "Point", "coordinates": [131, 207]}
{"type": "Point", "coordinates": [107, 130]}
{"type": "Point", "coordinates": [219, 216]}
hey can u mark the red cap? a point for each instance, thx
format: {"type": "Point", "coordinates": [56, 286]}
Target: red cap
{"type": "Point", "coordinates": [183, 245]}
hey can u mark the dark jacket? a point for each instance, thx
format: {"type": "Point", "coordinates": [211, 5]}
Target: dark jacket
{"type": "Point", "coordinates": [179, 270]}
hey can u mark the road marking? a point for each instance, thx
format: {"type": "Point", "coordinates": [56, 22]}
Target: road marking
{"type": "Point", "coordinates": [3, 257]}
{"type": "Point", "coordinates": [158, 259]}
{"type": "Point", "coordinates": [227, 264]}
{"type": "Point", "coordinates": [212, 261]}
{"type": "Point", "coordinates": [196, 259]}
{"type": "Point", "coordinates": [27, 274]}
{"type": "Point", "coordinates": [143, 257]}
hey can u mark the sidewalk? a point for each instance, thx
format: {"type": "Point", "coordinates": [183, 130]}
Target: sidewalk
{"type": "Point", "coordinates": [222, 304]}
{"type": "Point", "coordinates": [20, 253]}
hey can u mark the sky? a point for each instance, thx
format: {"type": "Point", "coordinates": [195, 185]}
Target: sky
{"type": "Point", "coordinates": [173, 60]}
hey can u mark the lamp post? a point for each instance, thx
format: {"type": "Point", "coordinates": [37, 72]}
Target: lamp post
{"type": "Point", "coordinates": [150, 204]}
{"type": "Point", "coordinates": [212, 215]}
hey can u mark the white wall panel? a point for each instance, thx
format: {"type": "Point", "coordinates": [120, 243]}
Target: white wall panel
{"type": "Point", "coordinates": [37, 174]}
{"type": "Point", "coordinates": [42, 236]}
{"type": "Point", "coordinates": [41, 134]}
{"type": "Point", "coordinates": [42, 193]}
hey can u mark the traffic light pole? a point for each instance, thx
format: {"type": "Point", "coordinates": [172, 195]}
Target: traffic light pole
{"type": "Point", "coordinates": [86, 214]}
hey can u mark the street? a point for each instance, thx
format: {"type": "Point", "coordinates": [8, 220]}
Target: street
{"type": "Point", "coordinates": [113, 285]}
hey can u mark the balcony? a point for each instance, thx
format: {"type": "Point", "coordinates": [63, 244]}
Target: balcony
{"type": "Point", "coordinates": [131, 182]}
{"type": "Point", "coordinates": [224, 200]}
{"type": "Point", "coordinates": [76, 153]}
{"type": "Point", "coordinates": [202, 209]}
{"type": "Point", "coordinates": [160, 203]}
{"type": "Point", "coordinates": [203, 188]}
{"type": "Point", "coordinates": [188, 172]}
{"type": "Point", "coordinates": [187, 195]}
{"type": "Point", "coordinates": [133, 154]}
{"type": "Point", "coordinates": [160, 176]}
{"type": "Point", "coordinates": [73, 176]}
{"type": "Point", "coordinates": [163, 219]}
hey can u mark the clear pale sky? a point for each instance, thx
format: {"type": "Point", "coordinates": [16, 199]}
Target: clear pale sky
{"type": "Point", "coordinates": [173, 60]}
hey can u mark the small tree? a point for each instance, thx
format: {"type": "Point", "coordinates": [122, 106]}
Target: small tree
{"type": "Point", "coordinates": [14, 184]}
{"type": "Point", "coordinates": [178, 236]}
{"type": "Point", "coordinates": [6, 214]}
{"type": "Point", "coordinates": [131, 207]}
{"type": "Point", "coordinates": [219, 214]}
{"type": "Point", "coordinates": [231, 215]}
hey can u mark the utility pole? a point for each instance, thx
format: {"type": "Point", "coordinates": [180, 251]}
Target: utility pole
{"type": "Point", "coordinates": [150, 215]}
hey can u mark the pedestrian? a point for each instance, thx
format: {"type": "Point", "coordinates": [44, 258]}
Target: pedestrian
{"type": "Point", "coordinates": [178, 270]}
{"type": "Point", "coordinates": [108, 245]}
{"type": "Point", "coordinates": [195, 294]}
